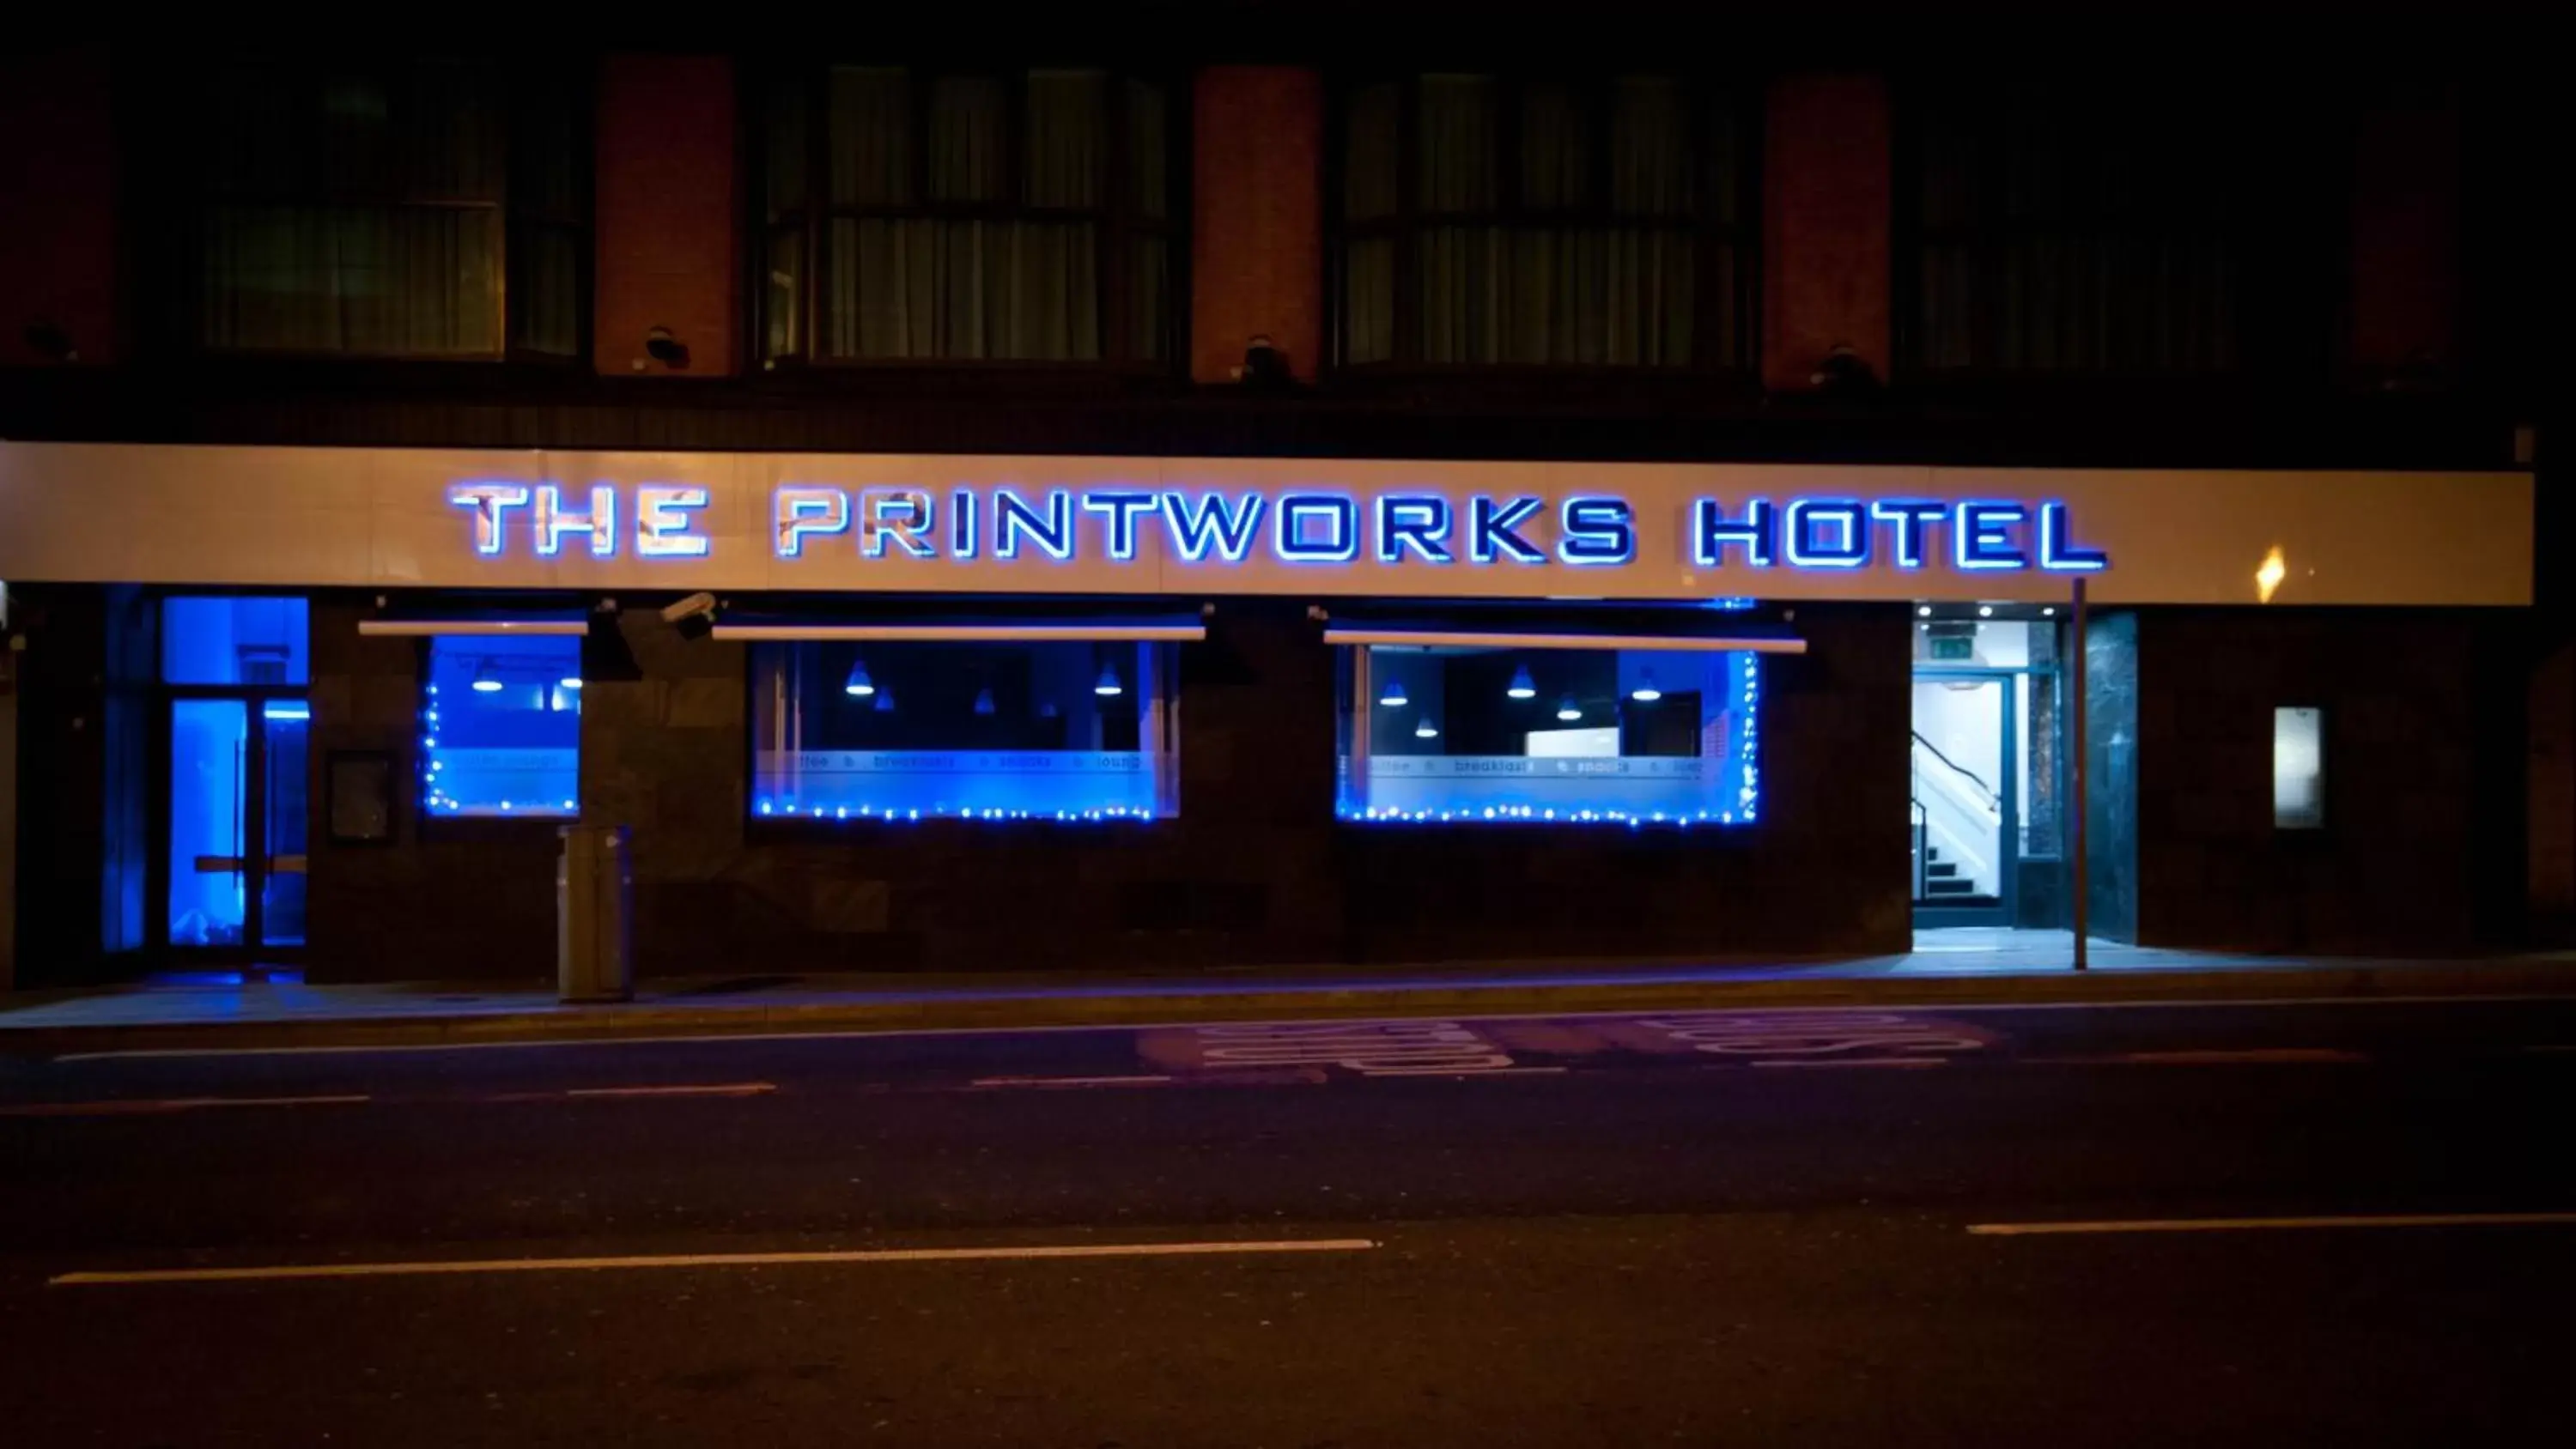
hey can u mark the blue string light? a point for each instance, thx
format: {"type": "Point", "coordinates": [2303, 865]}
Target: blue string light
{"type": "Point", "coordinates": [789, 809]}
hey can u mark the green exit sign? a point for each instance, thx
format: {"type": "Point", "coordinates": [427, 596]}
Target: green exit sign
{"type": "Point", "coordinates": [1948, 646]}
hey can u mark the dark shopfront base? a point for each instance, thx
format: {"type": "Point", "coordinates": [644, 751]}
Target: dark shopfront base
{"type": "Point", "coordinates": [2424, 810]}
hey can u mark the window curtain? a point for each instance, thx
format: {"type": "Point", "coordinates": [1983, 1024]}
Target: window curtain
{"type": "Point", "coordinates": [2070, 236]}
{"type": "Point", "coordinates": [987, 274]}
{"type": "Point", "coordinates": [360, 214]}
{"type": "Point", "coordinates": [384, 280]}
{"type": "Point", "coordinates": [1576, 246]}
{"type": "Point", "coordinates": [1571, 293]}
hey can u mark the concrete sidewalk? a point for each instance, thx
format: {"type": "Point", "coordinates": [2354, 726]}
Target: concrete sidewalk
{"type": "Point", "coordinates": [1948, 968]}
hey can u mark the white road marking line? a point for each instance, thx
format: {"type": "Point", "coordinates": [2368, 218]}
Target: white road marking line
{"type": "Point", "coordinates": [153, 1105]}
{"type": "Point", "coordinates": [846, 1033]}
{"type": "Point", "coordinates": [2239, 1225]}
{"type": "Point", "coordinates": [713, 1260]}
{"type": "Point", "coordinates": [1462, 1073]}
{"type": "Point", "coordinates": [713, 1089]}
{"type": "Point", "coordinates": [1134, 1081]}
{"type": "Point", "coordinates": [2255, 1056]}
{"type": "Point", "coordinates": [1830, 1062]}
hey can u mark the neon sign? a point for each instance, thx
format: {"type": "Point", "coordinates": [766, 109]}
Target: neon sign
{"type": "Point", "coordinates": [1302, 528]}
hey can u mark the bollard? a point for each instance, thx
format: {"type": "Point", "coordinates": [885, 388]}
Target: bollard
{"type": "Point", "coordinates": [594, 911]}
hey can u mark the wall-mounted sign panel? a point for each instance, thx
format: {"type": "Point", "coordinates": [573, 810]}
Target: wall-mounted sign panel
{"type": "Point", "coordinates": [313, 517]}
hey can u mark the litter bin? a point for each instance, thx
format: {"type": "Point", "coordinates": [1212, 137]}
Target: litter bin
{"type": "Point", "coordinates": [594, 908]}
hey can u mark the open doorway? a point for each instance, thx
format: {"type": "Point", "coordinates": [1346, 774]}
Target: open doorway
{"type": "Point", "coordinates": [1987, 764]}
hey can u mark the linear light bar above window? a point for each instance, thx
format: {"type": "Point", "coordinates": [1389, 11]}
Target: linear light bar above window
{"type": "Point", "coordinates": [1473, 639]}
{"type": "Point", "coordinates": [1104, 632]}
{"type": "Point", "coordinates": [434, 628]}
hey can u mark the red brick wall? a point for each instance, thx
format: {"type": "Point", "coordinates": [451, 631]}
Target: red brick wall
{"type": "Point", "coordinates": [1825, 218]}
{"type": "Point", "coordinates": [1257, 189]}
{"type": "Point", "coordinates": [58, 199]}
{"type": "Point", "coordinates": [666, 212]}
{"type": "Point", "coordinates": [2405, 235]}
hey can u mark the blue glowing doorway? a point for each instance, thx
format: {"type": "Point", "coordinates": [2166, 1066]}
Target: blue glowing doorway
{"type": "Point", "coordinates": [237, 822]}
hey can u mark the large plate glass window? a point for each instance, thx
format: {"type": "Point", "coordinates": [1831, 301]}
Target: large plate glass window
{"type": "Point", "coordinates": [1550, 736]}
{"type": "Point", "coordinates": [1047, 730]}
{"type": "Point", "coordinates": [501, 726]}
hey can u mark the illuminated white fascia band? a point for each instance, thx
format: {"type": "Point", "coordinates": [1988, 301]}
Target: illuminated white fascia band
{"type": "Point", "coordinates": [967, 633]}
{"type": "Point", "coordinates": [1660, 643]}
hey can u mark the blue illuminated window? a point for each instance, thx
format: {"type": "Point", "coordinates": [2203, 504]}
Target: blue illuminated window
{"type": "Point", "coordinates": [1057, 730]}
{"type": "Point", "coordinates": [1550, 736]}
{"type": "Point", "coordinates": [501, 726]}
{"type": "Point", "coordinates": [234, 641]}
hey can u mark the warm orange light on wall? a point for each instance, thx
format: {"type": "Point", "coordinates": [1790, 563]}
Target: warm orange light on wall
{"type": "Point", "coordinates": [2269, 576]}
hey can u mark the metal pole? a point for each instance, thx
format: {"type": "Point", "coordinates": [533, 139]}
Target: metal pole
{"type": "Point", "coordinates": [2077, 738]}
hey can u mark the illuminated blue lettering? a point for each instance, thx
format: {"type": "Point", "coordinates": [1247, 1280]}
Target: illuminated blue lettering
{"type": "Point", "coordinates": [1229, 532]}
{"type": "Point", "coordinates": [662, 522]}
{"type": "Point", "coordinates": [802, 512]}
{"type": "Point", "coordinates": [962, 514]}
{"type": "Point", "coordinates": [1984, 542]}
{"type": "Point", "coordinates": [1341, 517]}
{"type": "Point", "coordinates": [490, 502]}
{"type": "Point", "coordinates": [1712, 533]}
{"type": "Point", "coordinates": [1052, 532]}
{"type": "Point", "coordinates": [1592, 532]}
{"type": "Point", "coordinates": [553, 520]}
{"type": "Point", "coordinates": [1913, 518]}
{"type": "Point", "coordinates": [1416, 521]}
{"type": "Point", "coordinates": [1120, 509]}
{"type": "Point", "coordinates": [900, 514]}
{"type": "Point", "coordinates": [2057, 550]}
{"type": "Point", "coordinates": [1490, 528]}
{"type": "Point", "coordinates": [1843, 518]}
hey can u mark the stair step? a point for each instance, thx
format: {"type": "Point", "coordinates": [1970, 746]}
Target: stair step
{"type": "Point", "coordinates": [1940, 870]}
{"type": "Point", "coordinates": [1950, 886]}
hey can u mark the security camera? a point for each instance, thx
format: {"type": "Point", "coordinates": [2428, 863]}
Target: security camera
{"type": "Point", "coordinates": [665, 348]}
{"type": "Point", "coordinates": [694, 616]}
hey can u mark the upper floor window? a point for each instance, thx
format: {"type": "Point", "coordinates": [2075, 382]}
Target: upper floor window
{"type": "Point", "coordinates": [2106, 233]}
{"type": "Point", "coordinates": [430, 208]}
{"type": "Point", "coordinates": [935, 216]}
{"type": "Point", "coordinates": [1502, 221]}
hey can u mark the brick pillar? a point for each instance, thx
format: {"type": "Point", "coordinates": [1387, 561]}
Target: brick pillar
{"type": "Point", "coordinates": [1257, 193]}
{"type": "Point", "coordinates": [666, 211]}
{"type": "Point", "coordinates": [2405, 238]}
{"type": "Point", "coordinates": [58, 187]}
{"type": "Point", "coordinates": [1825, 224]}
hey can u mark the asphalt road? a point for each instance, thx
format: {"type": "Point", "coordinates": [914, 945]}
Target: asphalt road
{"type": "Point", "coordinates": [1753, 1228]}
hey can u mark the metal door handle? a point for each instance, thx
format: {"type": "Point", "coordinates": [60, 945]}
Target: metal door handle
{"type": "Point", "coordinates": [220, 864]}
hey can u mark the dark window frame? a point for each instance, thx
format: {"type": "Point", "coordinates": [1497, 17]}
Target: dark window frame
{"type": "Point", "coordinates": [175, 193]}
{"type": "Point", "coordinates": [1715, 221]}
{"type": "Point", "coordinates": [1120, 218]}
{"type": "Point", "coordinates": [2285, 311]}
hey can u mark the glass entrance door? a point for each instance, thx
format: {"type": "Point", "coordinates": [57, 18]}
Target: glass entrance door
{"type": "Point", "coordinates": [237, 822]}
{"type": "Point", "coordinates": [1965, 808]}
